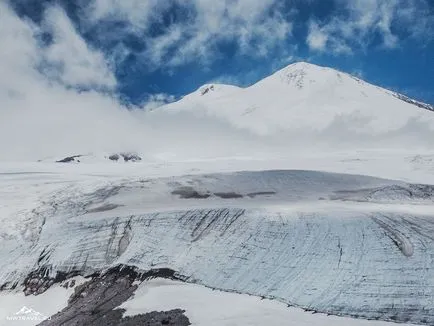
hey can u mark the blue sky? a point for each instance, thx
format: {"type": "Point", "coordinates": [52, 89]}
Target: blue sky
{"type": "Point", "coordinates": [155, 51]}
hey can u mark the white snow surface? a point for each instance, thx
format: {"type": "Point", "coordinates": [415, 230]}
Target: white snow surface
{"type": "Point", "coordinates": [45, 304]}
{"type": "Point", "coordinates": [207, 307]}
{"type": "Point", "coordinates": [305, 100]}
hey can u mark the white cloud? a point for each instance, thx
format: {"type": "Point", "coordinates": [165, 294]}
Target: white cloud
{"type": "Point", "coordinates": [40, 116]}
{"type": "Point", "coordinates": [256, 27]}
{"type": "Point", "coordinates": [322, 39]}
{"type": "Point", "coordinates": [317, 38]}
{"type": "Point", "coordinates": [159, 47]}
{"type": "Point", "coordinates": [74, 62]}
{"type": "Point", "coordinates": [373, 16]}
{"type": "Point", "coordinates": [139, 13]}
{"type": "Point", "coordinates": [17, 53]}
{"type": "Point", "coordinates": [157, 100]}
{"type": "Point", "coordinates": [358, 73]}
{"type": "Point", "coordinates": [362, 20]}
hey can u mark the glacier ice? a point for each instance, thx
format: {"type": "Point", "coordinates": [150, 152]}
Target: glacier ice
{"type": "Point", "coordinates": [325, 242]}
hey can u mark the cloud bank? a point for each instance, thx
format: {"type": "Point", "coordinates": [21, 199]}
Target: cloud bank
{"type": "Point", "coordinates": [59, 91]}
{"type": "Point", "coordinates": [57, 98]}
{"type": "Point", "coordinates": [363, 22]}
{"type": "Point", "coordinates": [42, 103]}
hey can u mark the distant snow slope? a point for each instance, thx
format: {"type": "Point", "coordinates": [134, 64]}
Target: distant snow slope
{"type": "Point", "coordinates": [343, 244]}
{"type": "Point", "coordinates": [303, 98]}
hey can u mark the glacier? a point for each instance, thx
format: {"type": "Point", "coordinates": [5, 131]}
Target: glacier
{"type": "Point", "coordinates": [341, 244]}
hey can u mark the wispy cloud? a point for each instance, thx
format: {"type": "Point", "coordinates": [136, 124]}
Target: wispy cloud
{"type": "Point", "coordinates": [361, 23]}
{"type": "Point", "coordinates": [317, 37]}
{"type": "Point", "coordinates": [156, 100]}
{"type": "Point", "coordinates": [254, 27]}
{"type": "Point", "coordinates": [69, 59]}
{"type": "Point", "coordinates": [322, 39]}
{"type": "Point", "coordinates": [140, 14]}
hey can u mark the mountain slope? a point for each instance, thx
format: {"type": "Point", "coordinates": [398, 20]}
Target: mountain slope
{"type": "Point", "coordinates": [305, 98]}
{"type": "Point", "coordinates": [300, 107]}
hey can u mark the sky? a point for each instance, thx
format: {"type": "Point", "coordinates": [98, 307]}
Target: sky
{"type": "Point", "coordinates": [81, 75]}
{"type": "Point", "coordinates": [148, 52]}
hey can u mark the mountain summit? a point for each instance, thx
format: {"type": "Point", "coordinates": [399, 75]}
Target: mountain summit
{"type": "Point", "coordinates": [302, 106]}
{"type": "Point", "coordinates": [303, 97]}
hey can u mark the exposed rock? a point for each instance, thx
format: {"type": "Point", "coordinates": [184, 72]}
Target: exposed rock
{"type": "Point", "coordinates": [414, 102]}
{"type": "Point", "coordinates": [94, 302]}
{"type": "Point", "coordinates": [103, 208]}
{"type": "Point", "coordinates": [206, 89]}
{"type": "Point", "coordinates": [127, 157]}
{"type": "Point", "coordinates": [228, 195]}
{"type": "Point", "coordinates": [189, 192]}
{"type": "Point", "coordinates": [261, 193]}
{"type": "Point", "coordinates": [39, 281]}
{"type": "Point", "coordinates": [70, 159]}
{"type": "Point", "coordinates": [114, 157]}
{"type": "Point", "coordinates": [131, 157]}
{"type": "Point", "coordinates": [368, 263]}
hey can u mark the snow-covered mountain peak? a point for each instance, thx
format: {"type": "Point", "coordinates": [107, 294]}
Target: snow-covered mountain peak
{"type": "Point", "coordinates": [294, 74]}
{"type": "Point", "coordinates": [302, 75]}
{"type": "Point", "coordinates": [306, 100]}
{"type": "Point", "coordinates": [302, 68]}
{"type": "Point", "coordinates": [300, 106]}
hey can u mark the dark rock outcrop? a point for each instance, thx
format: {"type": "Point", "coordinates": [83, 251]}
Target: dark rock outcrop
{"type": "Point", "coordinates": [189, 193]}
{"type": "Point", "coordinates": [70, 159]}
{"type": "Point", "coordinates": [127, 157]}
{"type": "Point", "coordinates": [95, 302]}
{"type": "Point", "coordinates": [414, 102]}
